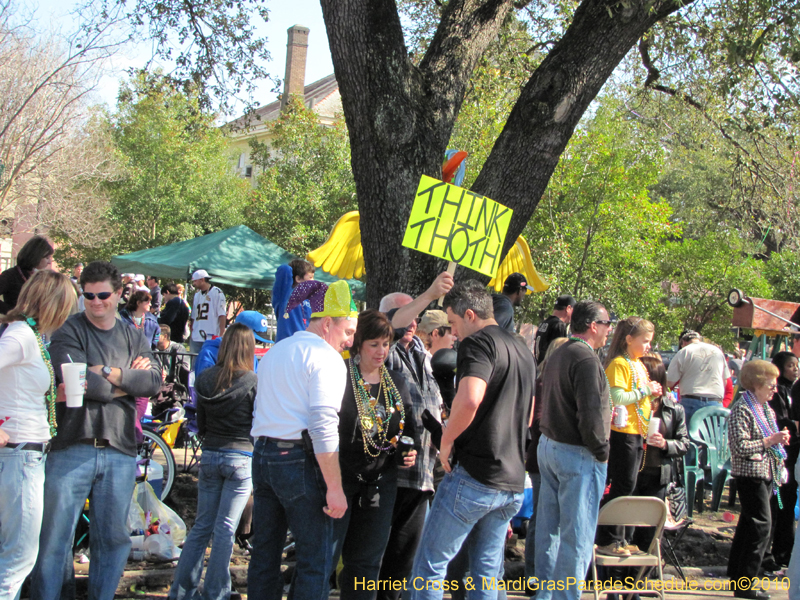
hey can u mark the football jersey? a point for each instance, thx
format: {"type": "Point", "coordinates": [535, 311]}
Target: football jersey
{"type": "Point", "coordinates": [207, 307]}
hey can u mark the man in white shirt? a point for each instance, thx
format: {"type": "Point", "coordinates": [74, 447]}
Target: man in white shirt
{"type": "Point", "coordinates": [296, 478]}
{"type": "Point", "coordinates": [209, 311]}
{"type": "Point", "coordinates": [700, 370]}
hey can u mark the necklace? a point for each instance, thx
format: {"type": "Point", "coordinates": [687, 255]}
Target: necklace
{"type": "Point", "coordinates": [777, 453]}
{"type": "Point", "coordinates": [50, 397]}
{"type": "Point", "coordinates": [583, 341]}
{"type": "Point", "coordinates": [373, 426]}
{"type": "Point", "coordinates": [637, 376]}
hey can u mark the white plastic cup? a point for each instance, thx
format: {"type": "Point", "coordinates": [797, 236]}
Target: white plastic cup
{"type": "Point", "coordinates": [653, 427]}
{"type": "Point", "coordinates": [74, 375]}
{"type": "Point", "coordinates": [137, 543]}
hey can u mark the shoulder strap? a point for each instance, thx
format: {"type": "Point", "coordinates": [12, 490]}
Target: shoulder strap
{"type": "Point", "coordinates": [3, 328]}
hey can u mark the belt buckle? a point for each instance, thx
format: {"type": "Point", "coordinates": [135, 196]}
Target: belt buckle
{"type": "Point", "coordinates": [102, 443]}
{"type": "Point", "coordinates": [285, 444]}
{"type": "Point", "coordinates": [45, 447]}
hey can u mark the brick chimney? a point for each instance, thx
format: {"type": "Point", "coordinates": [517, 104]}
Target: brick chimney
{"type": "Point", "coordinates": [296, 50]}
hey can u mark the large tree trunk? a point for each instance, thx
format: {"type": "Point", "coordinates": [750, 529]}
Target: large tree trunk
{"type": "Point", "coordinates": [400, 116]}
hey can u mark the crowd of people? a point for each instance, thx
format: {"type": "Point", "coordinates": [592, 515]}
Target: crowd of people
{"type": "Point", "coordinates": [395, 461]}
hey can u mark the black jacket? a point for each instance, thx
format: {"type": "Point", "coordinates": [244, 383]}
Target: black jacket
{"type": "Point", "coordinates": [226, 417]}
{"type": "Point", "coordinates": [673, 417]}
{"type": "Point", "coordinates": [175, 314]}
{"type": "Point", "coordinates": [781, 403]}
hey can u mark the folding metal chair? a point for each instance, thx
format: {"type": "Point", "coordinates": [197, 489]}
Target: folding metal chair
{"type": "Point", "coordinates": [673, 533]}
{"type": "Point", "coordinates": [632, 511]}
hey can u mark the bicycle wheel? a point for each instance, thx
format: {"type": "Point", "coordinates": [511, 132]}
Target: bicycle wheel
{"type": "Point", "coordinates": [156, 450]}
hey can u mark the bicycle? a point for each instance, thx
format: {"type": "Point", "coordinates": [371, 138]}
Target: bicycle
{"type": "Point", "coordinates": [155, 450]}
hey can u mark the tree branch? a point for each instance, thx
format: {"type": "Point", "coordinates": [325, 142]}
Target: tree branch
{"type": "Point", "coordinates": [556, 97]}
{"type": "Point", "coordinates": [465, 31]}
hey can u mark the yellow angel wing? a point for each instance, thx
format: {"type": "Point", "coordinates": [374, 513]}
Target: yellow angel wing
{"type": "Point", "coordinates": [518, 260]}
{"type": "Point", "coordinates": [341, 254]}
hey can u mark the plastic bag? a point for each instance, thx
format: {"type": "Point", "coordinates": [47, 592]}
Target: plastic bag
{"type": "Point", "coordinates": [170, 524]}
{"type": "Point", "coordinates": [160, 547]}
{"type": "Point", "coordinates": [136, 520]}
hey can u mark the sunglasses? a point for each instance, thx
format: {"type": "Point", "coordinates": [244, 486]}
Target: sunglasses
{"type": "Point", "coordinates": [102, 295]}
{"type": "Point", "coordinates": [608, 322]}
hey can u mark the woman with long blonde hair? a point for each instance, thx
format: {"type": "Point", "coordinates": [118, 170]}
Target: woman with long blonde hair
{"type": "Point", "coordinates": [27, 418]}
{"type": "Point", "coordinates": [631, 392]}
{"type": "Point", "coordinates": [225, 396]}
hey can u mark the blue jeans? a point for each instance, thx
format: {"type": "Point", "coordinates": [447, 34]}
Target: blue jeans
{"type": "Point", "coordinates": [21, 501]}
{"type": "Point", "coordinates": [692, 405]}
{"type": "Point", "coordinates": [569, 501]}
{"type": "Point", "coordinates": [458, 568]}
{"type": "Point", "coordinates": [463, 505]}
{"type": "Point", "coordinates": [222, 492]}
{"type": "Point", "coordinates": [360, 537]}
{"type": "Point", "coordinates": [530, 538]}
{"type": "Point", "coordinates": [289, 494]}
{"type": "Point", "coordinates": [105, 476]}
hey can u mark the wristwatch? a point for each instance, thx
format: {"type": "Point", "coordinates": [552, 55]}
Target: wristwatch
{"type": "Point", "coordinates": [106, 371]}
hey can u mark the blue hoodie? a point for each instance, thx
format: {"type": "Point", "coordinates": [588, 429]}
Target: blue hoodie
{"type": "Point", "coordinates": [299, 317]}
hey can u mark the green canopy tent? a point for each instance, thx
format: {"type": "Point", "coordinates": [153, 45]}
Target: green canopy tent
{"type": "Point", "coordinates": [237, 256]}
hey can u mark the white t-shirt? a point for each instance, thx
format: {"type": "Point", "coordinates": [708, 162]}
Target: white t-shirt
{"type": "Point", "coordinates": [699, 369]}
{"type": "Point", "coordinates": [207, 307]}
{"type": "Point", "coordinates": [24, 382]}
{"type": "Point", "coordinates": [301, 383]}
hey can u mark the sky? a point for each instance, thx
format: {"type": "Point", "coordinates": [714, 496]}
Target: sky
{"type": "Point", "coordinates": [283, 15]}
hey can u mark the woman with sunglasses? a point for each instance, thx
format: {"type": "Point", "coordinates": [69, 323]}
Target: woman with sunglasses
{"type": "Point", "coordinates": [631, 389]}
{"type": "Point", "coordinates": [137, 314]}
{"type": "Point", "coordinates": [757, 457]}
{"type": "Point", "coordinates": [27, 419]}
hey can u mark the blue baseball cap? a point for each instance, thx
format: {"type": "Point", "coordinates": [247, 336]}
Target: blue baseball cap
{"type": "Point", "coordinates": [255, 321]}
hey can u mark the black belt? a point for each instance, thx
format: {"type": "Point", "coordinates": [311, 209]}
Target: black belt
{"type": "Point", "coordinates": [44, 447]}
{"type": "Point", "coordinates": [95, 442]}
{"type": "Point", "coordinates": [279, 441]}
{"type": "Point", "coordinates": [702, 398]}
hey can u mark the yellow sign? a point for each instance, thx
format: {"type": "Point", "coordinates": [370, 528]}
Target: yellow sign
{"type": "Point", "coordinates": [457, 225]}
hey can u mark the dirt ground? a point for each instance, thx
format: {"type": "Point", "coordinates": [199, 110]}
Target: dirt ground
{"type": "Point", "coordinates": [706, 543]}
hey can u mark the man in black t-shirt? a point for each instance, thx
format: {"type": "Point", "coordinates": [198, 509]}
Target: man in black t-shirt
{"type": "Point", "coordinates": [553, 327]}
{"type": "Point", "coordinates": [485, 434]}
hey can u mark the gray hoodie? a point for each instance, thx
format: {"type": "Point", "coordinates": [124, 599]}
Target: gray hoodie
{"type": "Point", "coordinates": [225, 417]}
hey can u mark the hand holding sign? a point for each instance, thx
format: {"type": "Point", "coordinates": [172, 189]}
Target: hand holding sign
{"type": "Point", "coordinates": [441, 285]}
{"type": "Point", "coordinates": [457, 225]}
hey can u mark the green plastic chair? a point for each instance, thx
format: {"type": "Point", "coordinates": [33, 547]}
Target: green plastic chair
{"type": "Point", "coordinates": [709, 429]}
{"type": "Point", "coordinates": [693, 475]}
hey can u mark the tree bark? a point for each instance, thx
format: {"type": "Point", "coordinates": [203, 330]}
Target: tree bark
{"type": "Point", "coordinates": [400, 117]}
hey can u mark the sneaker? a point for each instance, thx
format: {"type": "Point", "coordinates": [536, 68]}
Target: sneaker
{"type": "Point", "coordinates": [634, 550]}
{"type": "Point", "coordinates": [614, 549]}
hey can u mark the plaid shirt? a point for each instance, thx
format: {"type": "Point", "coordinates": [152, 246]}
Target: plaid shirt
{"type": "Point", "coordinates": [749, 458]}
{"type": "Point", "coordinates": [415, 366]}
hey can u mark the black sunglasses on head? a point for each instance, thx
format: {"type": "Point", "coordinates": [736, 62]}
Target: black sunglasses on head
{"type": "Point", "coordinates": [101, 295]}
